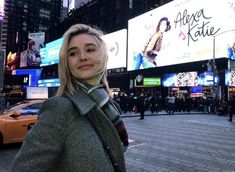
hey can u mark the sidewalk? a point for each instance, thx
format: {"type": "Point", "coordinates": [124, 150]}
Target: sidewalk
{"type": "Point", "coordinates": [180, 143]}
{"type": "Point", "coordinates": [163, 112]}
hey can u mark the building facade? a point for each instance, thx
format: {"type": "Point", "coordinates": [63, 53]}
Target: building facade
{"type": "Point", "coordinates": [27, 16]}
{"type": "Point", "coordinates": [108, 15]}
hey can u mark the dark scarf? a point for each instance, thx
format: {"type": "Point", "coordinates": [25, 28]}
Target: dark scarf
{"type": "Point", "coordinates": [100, 96]}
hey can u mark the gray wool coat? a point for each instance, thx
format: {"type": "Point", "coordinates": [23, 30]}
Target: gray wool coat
{"type": "Point", "coordinates": [63, 139]}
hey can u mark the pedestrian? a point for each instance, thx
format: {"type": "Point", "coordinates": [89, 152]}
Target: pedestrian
{"type": "Point", "coordinates": [79, 129]}
{"type": "Point", "coordinates": [171, 101]}
{"type": "Point", "coordinates": [231, 107]}
{"type": "Point", "coordinates": [141, 105]}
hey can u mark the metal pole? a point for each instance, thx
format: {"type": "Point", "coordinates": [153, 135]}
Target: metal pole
{"type": "Point", "coordinates": [213, 71]}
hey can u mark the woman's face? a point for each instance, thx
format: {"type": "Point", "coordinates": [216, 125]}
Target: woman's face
{"type": "Point", "coordinates": [84, 59]}
{"type": "Point", "coordinates": [163, 26]}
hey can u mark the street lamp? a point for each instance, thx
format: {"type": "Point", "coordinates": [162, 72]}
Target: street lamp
{"type": "Point", "coordinates": [214, 92]}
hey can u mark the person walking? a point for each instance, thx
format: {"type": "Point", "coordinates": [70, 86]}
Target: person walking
{"type": "Point", "coordinates": [80, 129]}
{"type": "Point", "coordinates": [141, 105]}
{"type": "Point", "coordinates": [171, 101]}
{"type": "Point", "coordinates": [231, 107]}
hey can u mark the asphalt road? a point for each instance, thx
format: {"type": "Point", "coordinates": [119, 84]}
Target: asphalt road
{"type": "Point", "coordinates": [171, 143]}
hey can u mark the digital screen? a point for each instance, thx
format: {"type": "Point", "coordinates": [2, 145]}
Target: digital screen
{"type": "Point", "coordinates": [31, 56]}
{"type": "Point", "coordinates": [1, 9]}
{"type": "Point", "coordinates": [230, 78]}
{"type": "Point", "coordinates": [185, 34]}
{"type": "Point", "coordinates": [50, 54]}
{"type": "Point", "coordinates": [37, 92]}
{"type": "Point", "coordinates": [206, 79]}
{"type": "Point", "coordinates": [33, 76]}
{"type": "Point", "coordinates": [196, 91]}
{"type": "Point", "coordinates": [148, 82]}
{"type": "Point", "coordinates": [116, 43]}
{"type": "Point", "coordinates": [53, 82]}
{"type": "Point", "coordinates": [183, 79]}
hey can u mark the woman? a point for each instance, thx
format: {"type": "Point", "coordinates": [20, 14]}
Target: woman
{"type": "Point", "coordinates": [155, 42]}
{"type": "Point", "coordinates": [79, 129]}
{"type": "Point", "coordinates": [148, 58]}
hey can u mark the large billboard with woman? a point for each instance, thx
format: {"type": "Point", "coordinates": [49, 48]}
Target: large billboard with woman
{"type": "Point", "coordinates": [181, 31]}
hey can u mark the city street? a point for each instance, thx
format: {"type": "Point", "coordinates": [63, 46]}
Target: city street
{"type": "Point", "coordinates": [172, 143]}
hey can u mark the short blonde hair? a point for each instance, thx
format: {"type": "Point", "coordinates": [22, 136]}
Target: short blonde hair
{"type": "Point", "coordinates": [67, 80]}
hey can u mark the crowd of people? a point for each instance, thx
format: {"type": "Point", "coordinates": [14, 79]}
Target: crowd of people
{"type": "Point", "coordinates": [174, 103]}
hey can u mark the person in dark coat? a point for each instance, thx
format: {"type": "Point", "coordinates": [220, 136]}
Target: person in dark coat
{"type": "Point", "coordinates": [141, 105]}
{"type": "Point", "coordinates": [231, 106]}
{"type": "Point", "coordinates": [80, 129]}
{"type": "Point", "coordinates": [188, 104]}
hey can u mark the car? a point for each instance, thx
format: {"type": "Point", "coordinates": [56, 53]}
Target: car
{"type": "Point", "coordinates": [17, 119]}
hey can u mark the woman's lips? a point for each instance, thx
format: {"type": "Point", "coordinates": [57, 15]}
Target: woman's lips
{"type": "Point", "coordinates": [83, 67]}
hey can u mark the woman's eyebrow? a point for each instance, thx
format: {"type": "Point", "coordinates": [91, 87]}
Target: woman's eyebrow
{"type": "Point", "coordinates": [86, 45]}
{"type": "Point", "coordinates": [72, 48]}
{"type": "Point", "coordinates": [93, 44]}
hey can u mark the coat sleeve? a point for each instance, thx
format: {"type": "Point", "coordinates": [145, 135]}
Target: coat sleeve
{"type": "Point", "coordinates": [45, 140]}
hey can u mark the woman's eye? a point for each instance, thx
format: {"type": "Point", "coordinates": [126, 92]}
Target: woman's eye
{"type": "Point", "coordinates": [73, 53]}
{"type": "Point", "coordinates": [90, 50]}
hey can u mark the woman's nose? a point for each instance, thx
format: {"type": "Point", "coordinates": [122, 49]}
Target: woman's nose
{"type": "Point", "coordinates": [83, 56]}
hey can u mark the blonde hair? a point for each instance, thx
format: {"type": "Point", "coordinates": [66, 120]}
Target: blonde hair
{"type": "Point", "coordinates": [67, 80]}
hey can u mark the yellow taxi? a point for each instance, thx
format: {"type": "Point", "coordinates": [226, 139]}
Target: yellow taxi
{"type": "Point", "coordinates": [17, 119]}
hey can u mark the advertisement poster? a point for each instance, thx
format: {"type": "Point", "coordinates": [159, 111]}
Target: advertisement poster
{"type": "Point", "coordinates": [230, 78]}
{"type": "Point", "coordinates": [182, 79]}
{"type": "Point", "coordinates": [1, 9]}
{"type": "Point", "coordinates": [182, 31]}
{"type": "Point", "coordinates": [206, 79]}
{"type": "Point", "coordinates": [116, 43]}
{"type": "Point", "coordinates": [50, 53]}
{"type": "Point", "coordinates": [31, 56]}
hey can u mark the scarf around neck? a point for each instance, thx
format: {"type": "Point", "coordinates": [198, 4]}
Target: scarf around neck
{"type": "Point", "coordinates": [101, 97]}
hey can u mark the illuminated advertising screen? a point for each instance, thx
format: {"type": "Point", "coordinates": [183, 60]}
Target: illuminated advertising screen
{"type": "Point", "coordinates": [37, 92]}
{"type": "Point", "coordinates": [185, 34]}
{"type": "Point", "coordinates": [230, 78]}
{"type": "Point", "coordinates": [116, 43]}
{"type": "Point", "coordinates": [1, 9]}
{"type": "Point", "coordinates": [149, 82]}
{"type": "Point", "coordinates": [50, 54]}
{"type": "Point", "coordinates": [31, 56]}
{"type": "Point", "coordinates": [52, 82]}
{"type": "Point", "coordinates": [183, 79]}
{"type": "Point", "coordinates": [206, 79]}
{"type": "Point", "coordinates": [196, 91]}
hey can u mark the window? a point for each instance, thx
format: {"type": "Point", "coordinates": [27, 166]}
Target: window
{"type": "Point", "coordinates": [32, 109]}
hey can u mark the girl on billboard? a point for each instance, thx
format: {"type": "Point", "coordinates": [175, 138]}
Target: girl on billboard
{"type": "Point", "coordinates": [231, 51]}
{"type": "Point", "coordinates": [148, 58]}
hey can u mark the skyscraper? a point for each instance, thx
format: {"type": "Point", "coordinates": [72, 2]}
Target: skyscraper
{"type": "Point", "coordinates": [27, 16]}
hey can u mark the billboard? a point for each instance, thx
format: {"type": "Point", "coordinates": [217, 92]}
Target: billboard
{"type": "Point", "coordinates": [230, 78]}
{"type": "Point", "coordinates": [31, 56]}
{"type": "Point", "coordinates": [182, 79]}
{"type": "Point", "coordinates": [116, 43]}
{"type": "Point", "coordinates": [1, 9]}
{"type": "Point", "coordinates": [52, 82]}
{"type": "Point", "coordinates": [206, 79]}
{"type": "Point", "coordinates": [196, 91]}
{"type": "Point", "coordinates": [148, 82]}
{"type": "Point", "coordinates": [185, 34]}
{"type": "Point", "coordinates": [50, 53]}
{"type": "Point", "coordinates": [36, 92]}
